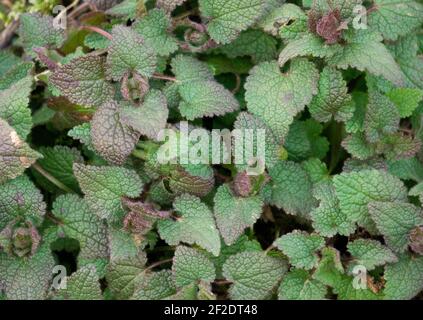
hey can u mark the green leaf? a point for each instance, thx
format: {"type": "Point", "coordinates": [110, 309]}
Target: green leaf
{"type": "Point", "coordinates": [304, 140]}
{"type": "Point", "coordinates": [154, 29]}
{"type": "Point", "coordinates": [82, 285]}
{"type": "Point", "coordinates": [111, 138]}
{"type": "Point", "coordinates": [395, 18]}
{"type": "Point", "coordinates": [404, 279]}
{"type": "Point", "coordinates": [195, 224]}
{"type": "Point", "coordinates": [357, 145]}
{"type": "Point", "coordinates": [104, 186]}
{"type": "Point", "coordinates": [226, 19]}
{"type": "Point", "coordinates": [15, 154]}
{"type": "Point", "coordinates": [328, 219]}
{"type": "Point", "coordinates": [83, 81]}
{"type": "Point", "coordinates": [125, 275]}
{"type": "Point", "coordinates": [370, 253]}
{"type": "Point", "coordinates": [191, 265]}
{"type": "Point", "coordinates": [58, 162]}
{"type": "Point", "coordinates": [406, 100]}
{"type": "Point", "coordinates": [234, 214]}
{"type": "Point", "coordinates": [15, 73]}
{"type": "Point", "coordinates": [298, 285]}
{"type": "Point", "coordinates": [201, 95]}
{"type": "Point", "coordinates": [395, 221]}
{"type": "Point", "coordinates": [291, 188]}
{"type": "Point", "coordinates": [36, 30]}
{"type": "Point", "coordinates": [129, 52]}
{"type": "Point", "coordinates": [149, 118]}
{"type": "Point", "coordinates": [365, 52]}
{"type": "Point", "coordinates": [405, 53]}
{"type": "Point", "coordinates": [254, 275]}
{"type": "Point", "coordinates": [27, 278]}
{"type": "Point", "coordinates": [255, 43]}
{"type": "Point", "coordinates": [276, 97]}
{"type": "Point", "coordinates": [301, 248]}
{"type": "Point", "coordinates": [156, 286]}
{"type": "Point", "coordinates": [406, 169]}
{"type": "Point", "coordinates": [355, 190]}
{"type": "Point", "coordinates": [83, 134]}
{"type": "Point", "coordinates": [14, 106]}
{"type": "Point", "coordinates": [78, 222]}
{"type": "Point", "coordinates": [382, 117]}
{"type": "Point", "coordinates": [247, 121]}
{"type": "Point", "coordinates": [20, 200]}
{"type": "Point", "coordinates": [333, 99]}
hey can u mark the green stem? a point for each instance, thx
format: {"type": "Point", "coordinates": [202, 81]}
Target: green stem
{"type": "Point", "coordinates": [52, 179]}
{"type": "Point", "coordinates": [140, 154]}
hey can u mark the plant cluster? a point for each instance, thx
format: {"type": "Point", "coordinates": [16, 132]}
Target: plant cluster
{"type": "Point", "coordinates": [87, 210]}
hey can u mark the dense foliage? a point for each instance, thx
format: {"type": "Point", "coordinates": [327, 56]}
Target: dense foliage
{"type": "Point", "coordinates": [87, 210]}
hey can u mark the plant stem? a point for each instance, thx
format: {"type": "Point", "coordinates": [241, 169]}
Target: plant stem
{"type": "Point", "coordinates": [156, 264]}
{"type": "Point", "coordinates": [52, 179]}
{"type": "Point", "coordinates": [98, 30]}
{"type": "Point", "coordinates": [164, 77]}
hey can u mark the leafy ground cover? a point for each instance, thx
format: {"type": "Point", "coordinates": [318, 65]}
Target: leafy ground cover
{"type": "Point", "coordinates": [87, 210]}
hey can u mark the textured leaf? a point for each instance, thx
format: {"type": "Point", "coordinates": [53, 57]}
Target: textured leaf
{"type": "Point", "coordinates": [15, 154]}
{"type": "Point", "coordinates": [298, 285]}
{"type": "Point", "coordinates": [275, 97]}
{"type": "Point", "coordinates": [255, 43]}
{"type": "Point", "coordinates": [406, 100]}
{"type": "Point", "coordinates": [404, 279]}
{"type": "Point", "coordinates": [58, 162]}
{"type": "Point", "coordinates": [38, 31]}
{"type": "Point", "coordinates": [82, 87]}
{"type": "Point", "coordinates": [228, 18]}
{"type": "Point", "coordinates": [328, 218]}
{"type": "Point", "coordinates": [357, 145]}
{"type": "Point", "coordinates": [395, 221]}
{"type": "Point", "coordinates": [156, 286]}
{"type": "Point", "coordinates": [111, 138]}
{"type": "Point", "coordinates": [370, 253]}
{"type": "Point", "coordinates": [125, 275]}
{"type": "Point", "coordinates": [14, 108]}
{"type": "Point", "coordinates": [128, 52]}
{"type": "Point", "coordinates": [405, 53]}
{"type": "Point", "coordinates": [80, 223]}
{"type": "Point", "coordinates": [333, 99]}
{"type": "Point", "coordinates": [202, 96]}
{"type": "Point", "coordinates": [301, 248]}
{"type": "Point", "coordinates": [291, 189]}
{"type": "Point", "coordinates": [396, 18]}
{"type": "Point", "coordinates": [154, 29]}
{"type": "Point", "coordinates": [27, 278]}
{"type": "Point", "coordinates": [195, 225]}
{"type": "Point", "coordinates": [355, 190]}
{"type": "Point", "coordinates": [304, 140]}
{"type": "Point", "coordinates": [169, 5]}
{"type": "Point", "coordinates": [15, 73]}
{"type": "Point", "coordinates": [407, 169]}
{"type": "Point", "coordinates": [150, 117]}
{"type": "Point", "coordinates": [246, 121]}
{"type": "Point", "coordinates": [382, 117]}
{"type": "Point", "coordinates": [104, 186]}
{"type": "Point", "coordinates": [190, 266]}
{"type": "Point", "coordinates": [83, 134]}
{"type": "Point", "coordinates": [254, 275]}
{"type": "Point", "coordinates": [366, 53]}
{"type": "Point", "coordinates": [82, 285]}
{"type": "Point", "coordinates": [20, 200]}
{"type": "Point", "coordinates": [235, 214]}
